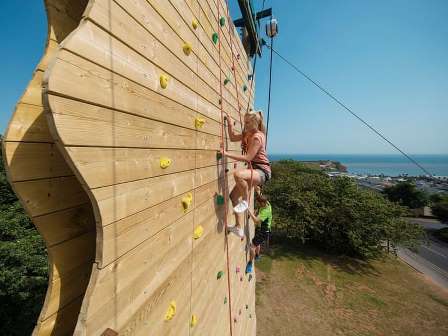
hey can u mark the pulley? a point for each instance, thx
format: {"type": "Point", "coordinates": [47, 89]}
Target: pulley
{"type": "Point", "coordinates": [272, 28]}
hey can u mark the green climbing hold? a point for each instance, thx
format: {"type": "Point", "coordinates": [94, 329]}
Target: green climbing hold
{"type": "Point", "coordinates": [222, 21]}
{"type": "Point", "coordinates": [225, 300]}
{"type": "Point", "coordinates": [215, 38]}
{"type": "Point", "coordinates": [226, 81]}
{"type": "Point", "coordinates": [218, 156]}
{"type": "Point", "coordinates": [219, 199]}
{"type": "Point", "coordinates": [247, 307]}
{"type": "Point", "coordinates": [219, 275]}
{"type": "Point", "coordinates": [244, 87]}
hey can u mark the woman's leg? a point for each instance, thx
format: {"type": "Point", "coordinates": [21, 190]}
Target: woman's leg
{"type": "Point", "coordinates": [235, 195]}
{"type": "Point", "coordinates": [244, 178]}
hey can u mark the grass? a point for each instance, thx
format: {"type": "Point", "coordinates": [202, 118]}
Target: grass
{"type": "Point", "coordinates": [302, 291]}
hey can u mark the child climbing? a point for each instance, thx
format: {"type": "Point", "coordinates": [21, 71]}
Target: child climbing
{"type": "Point", "coordinates": [253, 142]}
{"type": "Point", "coordinates": [263, 227]}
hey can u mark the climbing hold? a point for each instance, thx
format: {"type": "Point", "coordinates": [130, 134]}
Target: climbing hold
{"type": "Point", "coordinates": [164, 81]}
{"type": "Point", "coordinates": [219, 275]}
{"type": "Point", "coordinates": [238, 56]}
{"type": "Point", "coordinates": [198, 232]}
{"type": "Point", "coordinates": [244, 87]}
{"type": "Point", "coordinates": [225, 300]}
{"type": "Point", "coordinates": [222, 21]}
{"type": "Point", "coordinates": [194, 320]}
{"type": "Point", "coordinates": [250, 77]}
{"type": "Point", "coordinates": [233, 68]}
{"type": "Point", "coordinates": [165, 162]}
{"type": "Point", "coordinates": [199, 123]}
{"type": "Point", "coordinates": [218, 155]}
{"type": "Point", "coordinates": [250, 315]}
{"type": "Point", "coordinates": [239, 313]}
{"type": "Point", "coordinates": [219, 199]}
{"type": "Point", "coordinates": [171, 311]}
{"type": "Point", "coordinates": [234, 320]}
{"type": "Point", "coordinates": [247, 307]}
{"type": "Point", "coordinates": [215, 38]}
{"type": "Point", "coordinates": [226, 81]}
{"type": "Point", "coordinates": [186, 201]}
{"type": "Point", "coordinates": [241, 279]}
{"type": "Point", "coordinates": [187, 49]}
{"type": "Point", "coordinates": [195, 24]}
{"type": "Point", "coordinates": [220, 101]}
{"type": "Point", "coordinates": [227, 170]}
{"type": "Point", "coordinates": [250, 277]}
{"type": "Point", "coordinates": [238, 269]}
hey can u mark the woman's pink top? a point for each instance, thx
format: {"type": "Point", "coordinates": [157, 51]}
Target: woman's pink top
{"type": "Point", "coordinates": [260, 159]}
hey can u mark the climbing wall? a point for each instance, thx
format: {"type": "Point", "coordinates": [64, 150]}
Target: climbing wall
{"type": "Point", "coordinates": [120, 172]}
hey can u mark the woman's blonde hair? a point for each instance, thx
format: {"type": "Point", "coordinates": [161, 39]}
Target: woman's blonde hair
{"type": "Point", "coordinates": [258, 116]}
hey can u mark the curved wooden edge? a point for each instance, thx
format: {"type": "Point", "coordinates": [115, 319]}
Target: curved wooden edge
{"type": "Point", "coordinates": [39, 176]}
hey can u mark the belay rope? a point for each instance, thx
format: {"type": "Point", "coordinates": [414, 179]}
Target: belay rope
{"type": "Point", "coordinates": [226, 192]}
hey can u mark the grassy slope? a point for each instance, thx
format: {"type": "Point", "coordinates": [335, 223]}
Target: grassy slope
{"type": "Point", "coordinates": [305, 292]}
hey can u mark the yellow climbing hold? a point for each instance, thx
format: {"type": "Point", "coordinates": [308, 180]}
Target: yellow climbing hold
{"type": "Point", "coordinates": [187, 49]}
{"type": "Point", "coordinates": [199, 122]}
{"type": "Point", "coordinates": [194, 320]}
{"type": "Point", "coordinates": [198, 232]}
{"type": "Point", "coordinates": [165, 162]}
{"type": "Point", "coordinates": [164, 81]}
{"type": "Point", "coordinates": [186, 201]}
{"type": "Point", "coordinates": [171, 311]}
{"type": "Point", "coordinates": [195, 24]}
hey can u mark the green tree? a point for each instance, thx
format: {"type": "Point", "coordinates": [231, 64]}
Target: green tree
{"type": "Point", "coordinates": [23, 265]}
{"type": "Point", "coordinates": [439, 207]}
{"type": "Point", "coordinates": [335, 213]}
{"type": "Point", "coordinates": [406, 194]}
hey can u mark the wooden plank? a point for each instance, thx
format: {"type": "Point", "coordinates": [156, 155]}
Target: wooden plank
{"type": "Point", "coordinates": [66, 224]}
{"type": "Point", "coordinates": [210, 24]}
{"type": "Point", "coordinates": [119, 201]}
{"type": "Point", "coordinates": [40, 197]}
{"type": "Point", "coordinates": [62, 323]}
{"type": "Point", "coordinates": [121, 236]}
{"type": "Point", "coordinates": [63, 290]}
{"type": "Point", "coordinates": [162, 50]}
{"type": "Point", "coordinates": [124, 288]}
{"type": "Point", "coordinates": [71, 254]}
{"type": "Point", "coordinates": [101, 87]}
{"type": "Point", "coordinates": [28, 161]}
{"type": "Point", "coordinates": [101, 166]}
{"type": "Point", "coordinates": [28, 124]}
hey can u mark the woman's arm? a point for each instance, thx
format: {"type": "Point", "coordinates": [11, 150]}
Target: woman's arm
{"type": "Point", "coordinates": [234, 137]}
{"type": "Point", "coordinates": [251, 152]}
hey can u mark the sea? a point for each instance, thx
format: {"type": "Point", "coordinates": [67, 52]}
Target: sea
{"type": "Point", "coordinates": [377, 164]}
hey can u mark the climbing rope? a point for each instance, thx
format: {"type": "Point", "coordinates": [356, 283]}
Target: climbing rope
{"type": "Point", "coordinates": [223, 163]}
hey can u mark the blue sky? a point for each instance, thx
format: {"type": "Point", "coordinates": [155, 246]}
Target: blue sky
{"type": "Point", "coordinates": [386, 59]}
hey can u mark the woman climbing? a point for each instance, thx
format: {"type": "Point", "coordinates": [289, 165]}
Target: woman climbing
{"type": "Point", "coordinates": [253, 142]}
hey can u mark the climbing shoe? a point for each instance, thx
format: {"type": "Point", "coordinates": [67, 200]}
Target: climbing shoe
{"type": "Point", "coordinates": [249, 267]}
{"type": "Point", "coordinates": [236, 230]}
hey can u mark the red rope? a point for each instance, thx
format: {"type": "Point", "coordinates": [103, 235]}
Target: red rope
{"type": "Point", "coordinates": [237, 92]}
{"type": "Point", "coordinates": [225, 177]}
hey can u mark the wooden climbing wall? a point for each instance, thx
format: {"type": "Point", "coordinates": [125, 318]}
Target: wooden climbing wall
{"type": "Point", "coordinates": [113, 121]}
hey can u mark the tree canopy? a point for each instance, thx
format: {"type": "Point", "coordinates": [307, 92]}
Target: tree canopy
{"type": "Point", "coordinates": [335, 213]}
